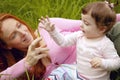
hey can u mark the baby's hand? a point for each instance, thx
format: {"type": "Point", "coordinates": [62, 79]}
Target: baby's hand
{"type": "Point", "coordinates": [96, 62]}
{"type": "Point", "coordinates": [46, 24]}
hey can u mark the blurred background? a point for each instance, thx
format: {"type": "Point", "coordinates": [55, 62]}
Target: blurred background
{"type": "Point", "coordinates": [31, 10]}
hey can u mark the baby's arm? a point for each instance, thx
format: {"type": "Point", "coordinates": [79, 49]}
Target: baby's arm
{"type": "Point", "coordinates": [109, 64]}
{"type": "Point", "coordinates": [65, 24]}
{"type": "Point", "coordinates": [59, 38]}
{"type": "Point", "coordinates": [111, 60]}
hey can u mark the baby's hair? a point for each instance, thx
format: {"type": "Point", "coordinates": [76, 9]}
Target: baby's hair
{"type": "Point", "coordinates": [102, 13]}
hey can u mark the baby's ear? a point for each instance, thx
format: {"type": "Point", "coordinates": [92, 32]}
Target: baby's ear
{"type": "Point", "coordinates": [103, 28]}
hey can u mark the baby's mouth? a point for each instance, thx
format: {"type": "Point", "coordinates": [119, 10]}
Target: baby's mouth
{"type": "Point", "coordinates": [83, 31]}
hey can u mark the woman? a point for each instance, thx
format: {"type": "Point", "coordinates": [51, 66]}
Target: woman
{"type": "Point", "coordinates": [16, 36]}
{"type": "Point", "coordinates": [31, 59]}
{"type": "Point", "coordinates": [58, 54]}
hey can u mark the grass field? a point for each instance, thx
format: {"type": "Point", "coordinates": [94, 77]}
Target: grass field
{"type": "Point", "coordinates": [31, 10]}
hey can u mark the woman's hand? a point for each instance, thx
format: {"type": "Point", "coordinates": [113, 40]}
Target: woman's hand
{"type": "Point", "coordinates": [35, 53]}
{"type": "Point", "coordinates": [46, 24]}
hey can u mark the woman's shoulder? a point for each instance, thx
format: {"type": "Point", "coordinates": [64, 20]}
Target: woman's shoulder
{"type": "Point", "coordinates": [115, 31]}
{"type": "Point", "coordinates": [118, 17]}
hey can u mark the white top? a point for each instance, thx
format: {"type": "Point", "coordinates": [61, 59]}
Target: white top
{"type": "Point", "coordinates": [88, 49]}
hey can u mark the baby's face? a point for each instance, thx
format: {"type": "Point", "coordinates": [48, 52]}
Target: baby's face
{"type": "Point", "coordinates": [89, 27]}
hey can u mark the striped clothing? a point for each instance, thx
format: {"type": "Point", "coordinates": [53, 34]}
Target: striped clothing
{"type": "Point", "coordinates": [65, 72]}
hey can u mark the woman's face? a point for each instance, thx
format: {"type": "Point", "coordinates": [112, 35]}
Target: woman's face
{"type": "Point", "coordinates": [16, 34]}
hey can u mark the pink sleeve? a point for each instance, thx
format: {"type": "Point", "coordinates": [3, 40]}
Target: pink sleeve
{"type": "Point", "coordinates": [118, 17]}
{"type": "Point", "coordinates": [66, 24]}
{"type": "Point", "coordinates": [57, 53]}
{"type": "Point", "coordinates": [14, 71]}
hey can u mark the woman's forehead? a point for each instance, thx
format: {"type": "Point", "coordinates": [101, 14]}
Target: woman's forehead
{"type": "Point", "coordinates": [8, 26]}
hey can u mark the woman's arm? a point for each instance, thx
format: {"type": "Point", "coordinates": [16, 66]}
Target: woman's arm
{"type": "Point", "coordinates": [14, 71]}
{"type": "Point", "coordinates": [66, 24]}
{"type": "Point", "coordinates": [23, 65]}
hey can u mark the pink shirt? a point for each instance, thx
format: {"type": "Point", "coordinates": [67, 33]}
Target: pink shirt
{"type": "Point", "coordinates": [14, 71]}
{"type": "Point", "coordinates": [118, 17]}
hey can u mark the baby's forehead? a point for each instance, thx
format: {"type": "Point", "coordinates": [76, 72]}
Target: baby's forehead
{"type": "Point", "coordinates": [87, 17]}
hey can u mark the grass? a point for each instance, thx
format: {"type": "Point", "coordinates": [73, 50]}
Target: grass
{"type": "Point", "coordinates": [31, 10]}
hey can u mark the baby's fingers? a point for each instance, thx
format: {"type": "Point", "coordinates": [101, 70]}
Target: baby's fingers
{"type": "Point", "coordinates": [47, 18]}
{"type": "Point", "coordinates": [94, 64]}
{"type": "Point", "coordinates": [44, 20]}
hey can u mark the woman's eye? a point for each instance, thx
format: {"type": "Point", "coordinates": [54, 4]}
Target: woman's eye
{"type": "Point", "coordinates": [13, 36]}
{"type": "Point", "coordinates": [19, 25]}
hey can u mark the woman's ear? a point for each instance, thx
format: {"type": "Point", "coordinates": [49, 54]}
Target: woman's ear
{"type": "Point", "coordinates": [9, 47]}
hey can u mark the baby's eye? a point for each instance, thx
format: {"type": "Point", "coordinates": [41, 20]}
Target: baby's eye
{"type": "Point", "coordinates": [86, 23]}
